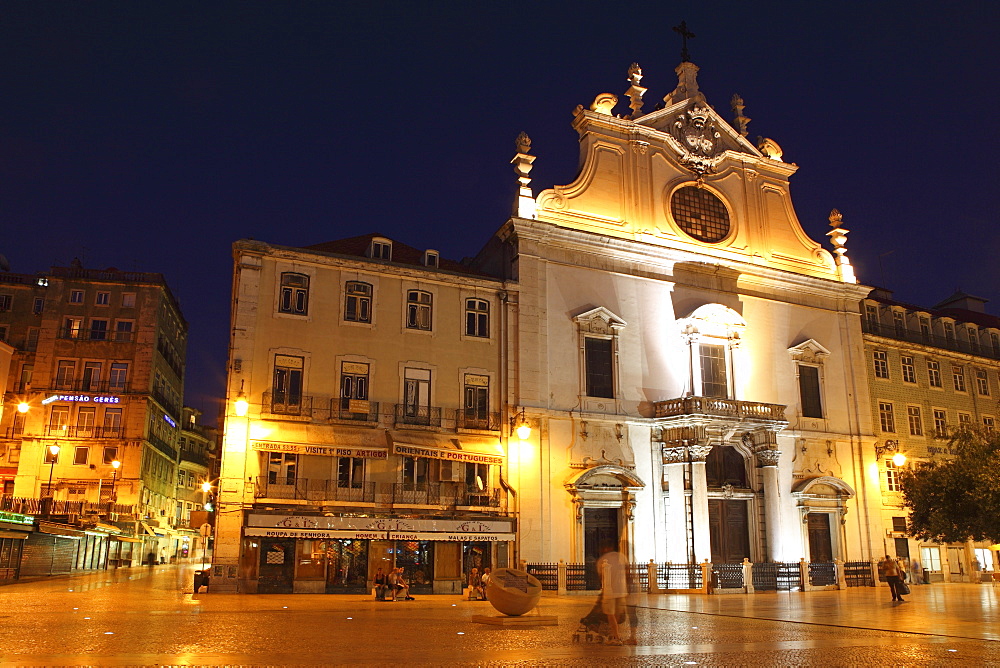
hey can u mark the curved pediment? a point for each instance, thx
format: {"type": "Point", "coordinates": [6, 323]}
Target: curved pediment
{"type": "Point", "coordinates": [824, 485]}
{"type": "Point", "coordinates": [605, 476]}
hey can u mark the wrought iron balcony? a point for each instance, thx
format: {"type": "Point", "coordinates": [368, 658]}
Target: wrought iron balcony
{"type": "Point", "coordinates": [928, 339]}
{"type": "Point", "coordinates": [81, 334]}
{"type": "Point", "coordinates": [428, 416]}
{"type": "Point", "coordinates": [84, 432]}
{"type": "Point", "coordinates": [286, 403]}
{"type": "Point", "coordinates": [313, 489]}
{"type": "Point", "coordinates": [356, 410]}
{"type": "Point", "coordinates": [468, 419]}
{"type": "Point", "coordinates": [42, 506]}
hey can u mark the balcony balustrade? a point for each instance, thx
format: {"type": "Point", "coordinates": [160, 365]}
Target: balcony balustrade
{"type": "Point", "coordinates": [42, 506]}
{"type": "Point", "coordinates": [285, 403]}
{"type": "Point", "coordinates": [720, 408]}
{"type": "Point", "coordinates": [407, 493]}
{"type": "Point", "coordinates": [80, 334]}
{"type": "Point", "coordinates": [84, 432]}
{"type": "Point", "coordinates": [467, 419]}
{"type": "Point", "coordinates": [355, 410]}
{"type": "Point", "coordinates": [314, 489]}
{"type": "Point", "coordinates": [427, 416]}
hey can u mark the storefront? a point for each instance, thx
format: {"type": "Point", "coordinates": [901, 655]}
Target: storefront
{"type": "Point", "coordinates": [306, 554]}
{"type": "Point", "coordinates": [14, 531]}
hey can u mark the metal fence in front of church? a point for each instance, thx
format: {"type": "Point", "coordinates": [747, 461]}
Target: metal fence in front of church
{"type": "Point", "coordinates": [744, 577]}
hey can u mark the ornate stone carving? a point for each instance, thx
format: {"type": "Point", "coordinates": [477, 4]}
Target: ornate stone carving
{"type": "Point", "coordinates": [768, 457]}
{"type": "Point", "coordinates": [697, 138]}
{"type": "Point", "coordinates": [838, 237]}
{"type": "Point", "coordinates": [769, 148]}
{"type": "Point", "coordinates": [635, 91]}
{"type": "Point", "coordinates": [524, 205]}
{"type": "Point", "coordinates": [699, 453]}
{"type": "Point", "coordinates": [741, 121]}
{"type": "Point", "coordinates": [640, 147]}
{"type": "Point", "coordinates": [674, 455]}
{"type": "Point", "coordinates": [604, 103]}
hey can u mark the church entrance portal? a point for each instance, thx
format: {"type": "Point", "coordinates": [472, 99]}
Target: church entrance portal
{"type": "Point", "coordinates": [820, 543]}
{"type": "Point", "coordinates": [600, 526]}
{"type": "Point", "coordinates": [728, 528]}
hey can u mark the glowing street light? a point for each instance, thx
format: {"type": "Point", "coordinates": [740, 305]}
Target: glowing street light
{"type": "Point", "coordinates": [241, 405]}
{"type": "Point", "coordinates": [23, 407]}
{"type": "Point", "coordinates": [54, 452]}
{"type": "Point", "coordinates": [114, 479]}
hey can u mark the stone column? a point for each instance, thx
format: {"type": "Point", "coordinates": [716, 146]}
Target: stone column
{"type": "Point", "coordinates": [699, 502]}
{"type": "Point", "coordinates": [767, 460]}
{"type": "Point", "coordinates": [674, 461]}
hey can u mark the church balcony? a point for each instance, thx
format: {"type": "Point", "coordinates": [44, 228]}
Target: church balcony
{"type": "Point", "coordinates": [725, 409]}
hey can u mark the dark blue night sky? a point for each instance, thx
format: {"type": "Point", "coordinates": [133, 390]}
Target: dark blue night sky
{"type": "Point", "coordinates": [151, 136]}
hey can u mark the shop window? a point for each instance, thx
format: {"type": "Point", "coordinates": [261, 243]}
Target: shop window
{"type": "Point", "coordinates": [294, 296]}
{"type": "Point", "coordinates": [358, 302]}
{"type": "Point", "coordinates": [930, 558]}
{"type": "Point", "coordinates": [984, 557]}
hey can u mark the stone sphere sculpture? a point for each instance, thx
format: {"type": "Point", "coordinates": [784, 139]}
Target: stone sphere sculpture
{"type": "Point", "coordinates": [513, 592]}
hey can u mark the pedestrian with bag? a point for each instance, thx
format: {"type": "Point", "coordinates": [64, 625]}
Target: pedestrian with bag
{"type": "Point", "coordinates": [890, 572]}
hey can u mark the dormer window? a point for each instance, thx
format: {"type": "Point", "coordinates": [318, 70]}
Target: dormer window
{"type": "Point", "coordinates": [430, 258]}
{"type": "Point", "coordinates": [381, 249]}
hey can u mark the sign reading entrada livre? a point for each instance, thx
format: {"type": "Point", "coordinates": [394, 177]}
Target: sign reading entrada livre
{"type": "Point", "coordinates": [323, 450]}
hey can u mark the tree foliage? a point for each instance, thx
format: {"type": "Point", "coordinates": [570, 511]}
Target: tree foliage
{"type": "Point", "coordinates": [957, 499]}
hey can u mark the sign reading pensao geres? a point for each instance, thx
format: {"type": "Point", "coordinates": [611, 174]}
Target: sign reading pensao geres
{"type": "Point", "coordinates": [324, 450]}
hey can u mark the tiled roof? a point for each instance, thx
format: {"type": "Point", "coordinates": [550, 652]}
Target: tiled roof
{"type": "Point", "coordinates": [401, 253]}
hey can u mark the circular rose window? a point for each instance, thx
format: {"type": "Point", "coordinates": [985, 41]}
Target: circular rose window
{"type": "Point", "coordinates": [700, 213]}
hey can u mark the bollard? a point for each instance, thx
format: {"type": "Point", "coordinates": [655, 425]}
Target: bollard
{"type": "Point", "coordinates": [747, 576]}
{"type": "Point", "coordinates": [561, 579]}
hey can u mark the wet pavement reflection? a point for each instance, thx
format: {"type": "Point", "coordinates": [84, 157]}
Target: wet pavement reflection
{"type": "Point", "coordinates": [150, 617]}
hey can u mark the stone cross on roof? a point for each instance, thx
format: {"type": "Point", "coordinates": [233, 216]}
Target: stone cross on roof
{"type": "Point", "coordinates": [685, 34]}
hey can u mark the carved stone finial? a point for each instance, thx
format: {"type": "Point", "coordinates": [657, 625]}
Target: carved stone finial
{"type": "Point", "coordinates": [604, 103]}
{"type": "Point", "coordinates": [769, 148]}
{"type": "Point", "coordinates": [838, 238]}
{"type": "Point", "coordinates": [635, 91]}
{"type": "Point", "coordinates": [524, 204]}
{"type": "Point", "coordinates": [740, 121]}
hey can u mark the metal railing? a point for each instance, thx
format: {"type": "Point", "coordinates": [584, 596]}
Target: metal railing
{"type": "Point", "coordinates": [679, 576]}
{"type": "Point", "coordinates": [194, 457]}
{"type": "Point", "coordinates": [81, 334]}
{"type": "Point", "coordinates": [638, 577]}
{"type": "Point", "coordinates": [357, 410]}
{"type": "Point", "coordinates": [777, 576]}
{"type": "Point", "coordinates": [428, 416]}
{"type": "Point", "coordinates": [80, 385]}
{"type": "Point", "coordinates": [313, 489]}
{"type": "Point", "coordinates": [39, 506]}
{"type": "Point", "coordinates": [822, 574]}
{"type": "Point", "coordinates": [724, 408]}
{"type": "Point", "coordinates": [928, 339]}
{"type": "Point", "coordinates": [283, 403]}
{"type": "Point", "coordinates": [576, 577]}
{"type": "Point", "coordinates": [727, 576]}
{"type": "Point", "coordinates": [83, 432]}
{"type": "Point", "coordinates": [859, 574]}
{"type": "Point", "coordinates": [477, 420]}
{"type": "Point", "coordinates": [547, 574]}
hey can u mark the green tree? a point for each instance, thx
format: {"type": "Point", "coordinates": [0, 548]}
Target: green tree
{"type": "Point", "coordinates": [956, 499]}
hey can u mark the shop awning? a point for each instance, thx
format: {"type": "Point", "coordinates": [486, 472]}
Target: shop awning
{"type": "Point", "coordinates": [316, 534]}
{"type": "Point", "coordinates": [126, 539]}
{"type": "Point", "coordinates": [468, 449]}
{"type": "Point", "coordinates": [19, 535]}
{"type": "Point", "coordinates": [107, 528]}
{"type": "Point", "coordinates": [345, 442]}
{"type": "Point", "coordinates": [155, 532]}
{"type": "Point", "coordinates": [458, 537]}
{"type": "Point", "coordinates": [60, 530]}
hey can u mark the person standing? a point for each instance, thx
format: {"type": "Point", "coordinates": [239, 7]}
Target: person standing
{"type": "Point", "coordinates": [893, 574]}
{"type": "Point", "coordinates": [614, 588]}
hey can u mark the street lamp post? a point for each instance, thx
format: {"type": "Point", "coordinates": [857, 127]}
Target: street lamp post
{"type": "Point", "coordinates": [206, 487]}
{"type": "Point", "coordinates": [114, 480]}
{"type": "Point", "coordinates": [54, 452]}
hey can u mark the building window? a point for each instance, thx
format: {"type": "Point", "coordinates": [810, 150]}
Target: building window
{"type": "Point", "coordinates": [988, 424]}
{"type": "Point", "coordinates": [430, 258]}
{"type": "Point", "coordinates": [81, 455]}
{"type": "Point", "coordinates": [38, 306]}
{"type": "Point", "coordinates": [885, 417]}
{"type": "Point", "coordinates": [65, 374]}
{"type": "Point", "coordinates": [287, 389]}
{"type": "Point", "coordinates": [973, 339]}
{"type": "Point", "coordinates": [350, 472]}
{"type": "Point", "coordinates": [103, 299]}
{"type": "Point", "coordinates": [415, 471]}
{"type": "Point", "coordinates": [86, 418]}
{"type": "Point", "coordinates": [5, 301]}
{"type": "Point", "coordinates": [881, 359]}
{"type": "Point", "coordinates": [354, 387]}
{"type": "Point", "coordinates": [964, 420]}
{"type": "Point", "coordinates": [982, 382]}
{"type": "Point", "coordinates": [809, 391]}
{"type": "Point", "coordinates": [76, 296]}
{"type": "Point", "coordinates": [994, 338]}
{"type": "Point", "coordinates": [417, 395]}
{"type": "Point", "coordinates": [118, 376]}
{"type": "Point", "coordinates": [477, 317]}
{"type": "Point", "coordinates": [477, 402]}
{"type": "Point", "coordinates": [916, 424]}
{"type": "Point", "coordinates": [958, 376]}
{"type": "Point", "coordinates": [984, 556]}
{"type": "Point", "coordinates": [51, 458]}
{"type": "Point", "coordinates": [382, 250]}
{"type": "Point", "coordinates": [91, 377]}
{"type": "Point", "coordinates": [418, 310]}
{"type": "Point", "coordinates": [294, 294]}
{"type": "Point", "coordinates": [123, 331]}
{"type": "Point", "coordinates": [933, 373]}
{"type": "Point", "coordinates": [72, 328]}
{"type": "Point", "coordinates": [871, 315]}
{"type": "Point", "coordinates": [31, 343]}
{"type": "Point", "coordinates": [930, 558]}
{"type": "Point", "coordinates": [891, 476]}
{"type": "Point", "coordinates": [281, 468]}
{"type": "Point", "coordinates": [98, 329]}
{"type": "Point", "coordinates": [909, 372]}
{"type": "Point", "coordinates": [940, 423]}
{"type": "Point", "coordinates": [358, 302]}
{"type": "Point", "coordinates": [925, 329]}
{"type": "Point", "coordinates": [899, 322]}
{"type": "Point", "coordinates": [112, 421]}
{"type": "Point", "coordinates": [128, 300]}
{"type": "Point", "coordinates": [3, 333]}
{"type": "Point", "coordinates": [599, 367]}
{"type": "Point", "coordinates": [700, 213]}
{"type": "Point", "coordinates": [949, 333]}
{"type": "Point", "coordinates": [59, 419]}
{"type": "Point", "coordinates": [899, 523]}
